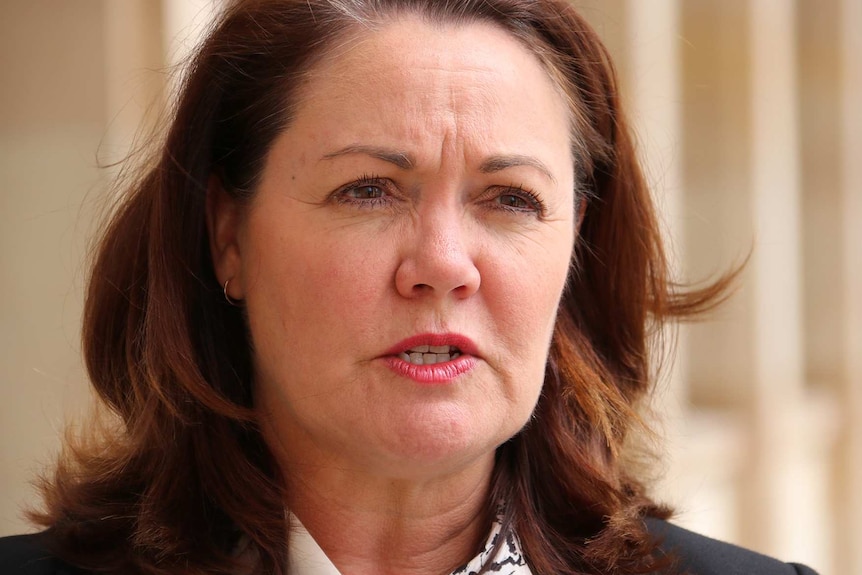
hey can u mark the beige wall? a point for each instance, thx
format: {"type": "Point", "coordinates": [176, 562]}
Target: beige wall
{"type": "Point", "coordinates": [52, 118]}
{"type": "Point", "coordinates": [77, 81]}
{"type": "Point", "coordinates": [747, 113]}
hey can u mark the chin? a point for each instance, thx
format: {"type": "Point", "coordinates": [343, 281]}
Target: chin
{"type": "Point", "coordinates": [445, 447]}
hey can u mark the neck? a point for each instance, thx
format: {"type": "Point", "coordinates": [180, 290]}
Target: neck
{"type": "Point", "coordinates": [375, 525]}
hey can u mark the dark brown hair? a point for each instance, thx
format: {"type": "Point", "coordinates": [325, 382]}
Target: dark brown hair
{"type": "Point", "coordinates": [185, 476]}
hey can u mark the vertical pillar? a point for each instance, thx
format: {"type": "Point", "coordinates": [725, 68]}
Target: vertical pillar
{"type": "Point", "coordinates": [654, 103]}
{"type": "Point", "coordinates": [821, 124]}
{"type": "Point", "coordinates": [718, 234]}
{"type": "Point", "coordinates": [771, 497]}
{"type": "Point", "coordinates": [653, 97]}
{"type": "Point", "coordinates": [850, 453]}
{"type": "Point", "coordinates": [719, 231]}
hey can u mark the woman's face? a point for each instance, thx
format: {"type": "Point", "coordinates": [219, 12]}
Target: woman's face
{"type": "Point", "coordinates": [405, 253]}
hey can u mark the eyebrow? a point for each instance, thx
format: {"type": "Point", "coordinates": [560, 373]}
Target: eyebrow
{"type": "Point", "coordinates": [404, 161]}
{"type": "Point", "coordinates": [400, 159]}
{"type": "Point", "coordinates": [500, 163]}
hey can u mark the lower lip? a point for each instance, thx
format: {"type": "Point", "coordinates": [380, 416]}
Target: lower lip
{"type": "Point", "coordinates": [439, 373]}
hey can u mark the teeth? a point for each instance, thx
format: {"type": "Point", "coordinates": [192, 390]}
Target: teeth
{"type": "Point", "coordinates": [431, 354]}
{"type": "Point", "coordinates": [432, 349]}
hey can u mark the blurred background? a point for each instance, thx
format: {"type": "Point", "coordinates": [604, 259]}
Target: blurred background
{"type": "Point", "coordinates": [749, 121]}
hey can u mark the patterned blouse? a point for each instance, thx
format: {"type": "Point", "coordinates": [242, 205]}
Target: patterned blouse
{"type": "Point", "coordinates": [307, 558]}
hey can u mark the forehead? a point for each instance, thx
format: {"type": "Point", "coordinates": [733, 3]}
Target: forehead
{"type": "Point", "coordinates": [410, 43]}
{"type": "Point", "coordinates": [404, 39]}
{"type": "Point", "coordinates": [435, 91]}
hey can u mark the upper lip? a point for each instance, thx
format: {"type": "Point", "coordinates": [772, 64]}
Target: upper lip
{"type": "Point", "coordinates": [462, 342]}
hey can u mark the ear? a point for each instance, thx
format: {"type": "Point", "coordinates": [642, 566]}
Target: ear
{"type": "Point", "coordinates": [223, 225]}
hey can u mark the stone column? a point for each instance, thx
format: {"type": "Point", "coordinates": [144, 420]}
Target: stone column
{"type": "Point", "coordinates": [652, 95]}
{"type": "Point", "coordinates": [850, 454]}
{"type": "Point", "coordinates": [771, 492]}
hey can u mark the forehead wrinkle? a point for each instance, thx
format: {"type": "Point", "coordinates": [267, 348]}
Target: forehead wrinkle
{"type": "Point", "coordinates": [466, 91]}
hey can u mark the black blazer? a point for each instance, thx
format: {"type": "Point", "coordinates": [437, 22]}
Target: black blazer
{"type": "Point", "coordinates": [27, 555]}
{"type": "Point", "coordinates": [704, 556]}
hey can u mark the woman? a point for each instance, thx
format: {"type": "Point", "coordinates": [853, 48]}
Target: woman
{"type": "Point", "coordinates": [382, 304]}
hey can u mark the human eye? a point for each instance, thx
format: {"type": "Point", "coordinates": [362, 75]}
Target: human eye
{"type": "Point", "coordinates": [364, 192]}
{"type": "Point", "coordinates": [519, 200]}
{"type": "Point", "coordinates": [367, 191]}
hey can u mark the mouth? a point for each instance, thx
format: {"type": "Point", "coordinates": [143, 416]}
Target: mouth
{"type": "Point", "coordinates": [433, 358]}
{"type": "Point", "coordinates": [430, 354]}
{"type": "Point", "coordinates": [433, 348]}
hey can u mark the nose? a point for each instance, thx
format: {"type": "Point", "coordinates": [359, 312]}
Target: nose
{"type": "Point", "coordinates": [438, 259]}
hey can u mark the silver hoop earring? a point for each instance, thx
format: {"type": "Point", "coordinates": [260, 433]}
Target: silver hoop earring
{"type": "Point", "coordinates": [227, 298]}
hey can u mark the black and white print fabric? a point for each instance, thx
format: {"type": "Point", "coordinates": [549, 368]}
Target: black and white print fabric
{"type": "Point", "coordinates": [305, 557]}
{"type": "Point", "coordinates": [508, 561]}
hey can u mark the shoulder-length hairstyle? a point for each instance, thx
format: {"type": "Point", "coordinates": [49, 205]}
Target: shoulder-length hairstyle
{"type": "Point", "coordinates": [185, 477]}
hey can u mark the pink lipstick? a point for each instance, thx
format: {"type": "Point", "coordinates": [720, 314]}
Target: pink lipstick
{"type": "Point", "coordinates": [432, 358]}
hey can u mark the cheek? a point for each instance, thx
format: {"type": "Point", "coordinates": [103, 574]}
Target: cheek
{"type": "Point", "coordinates": [526, 325]}
{"type": "Point", "coordinates": [316, 289]}
{"type": "Point", "coordinates": [346, 280]}
{"type": "Point", "coordinates": [530, 281]}
{"type": "Point", "coordinates": [524, 296]}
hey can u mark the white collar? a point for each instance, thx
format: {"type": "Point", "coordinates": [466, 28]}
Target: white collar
{"type": "Point", "coordinates": [305, 557]}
